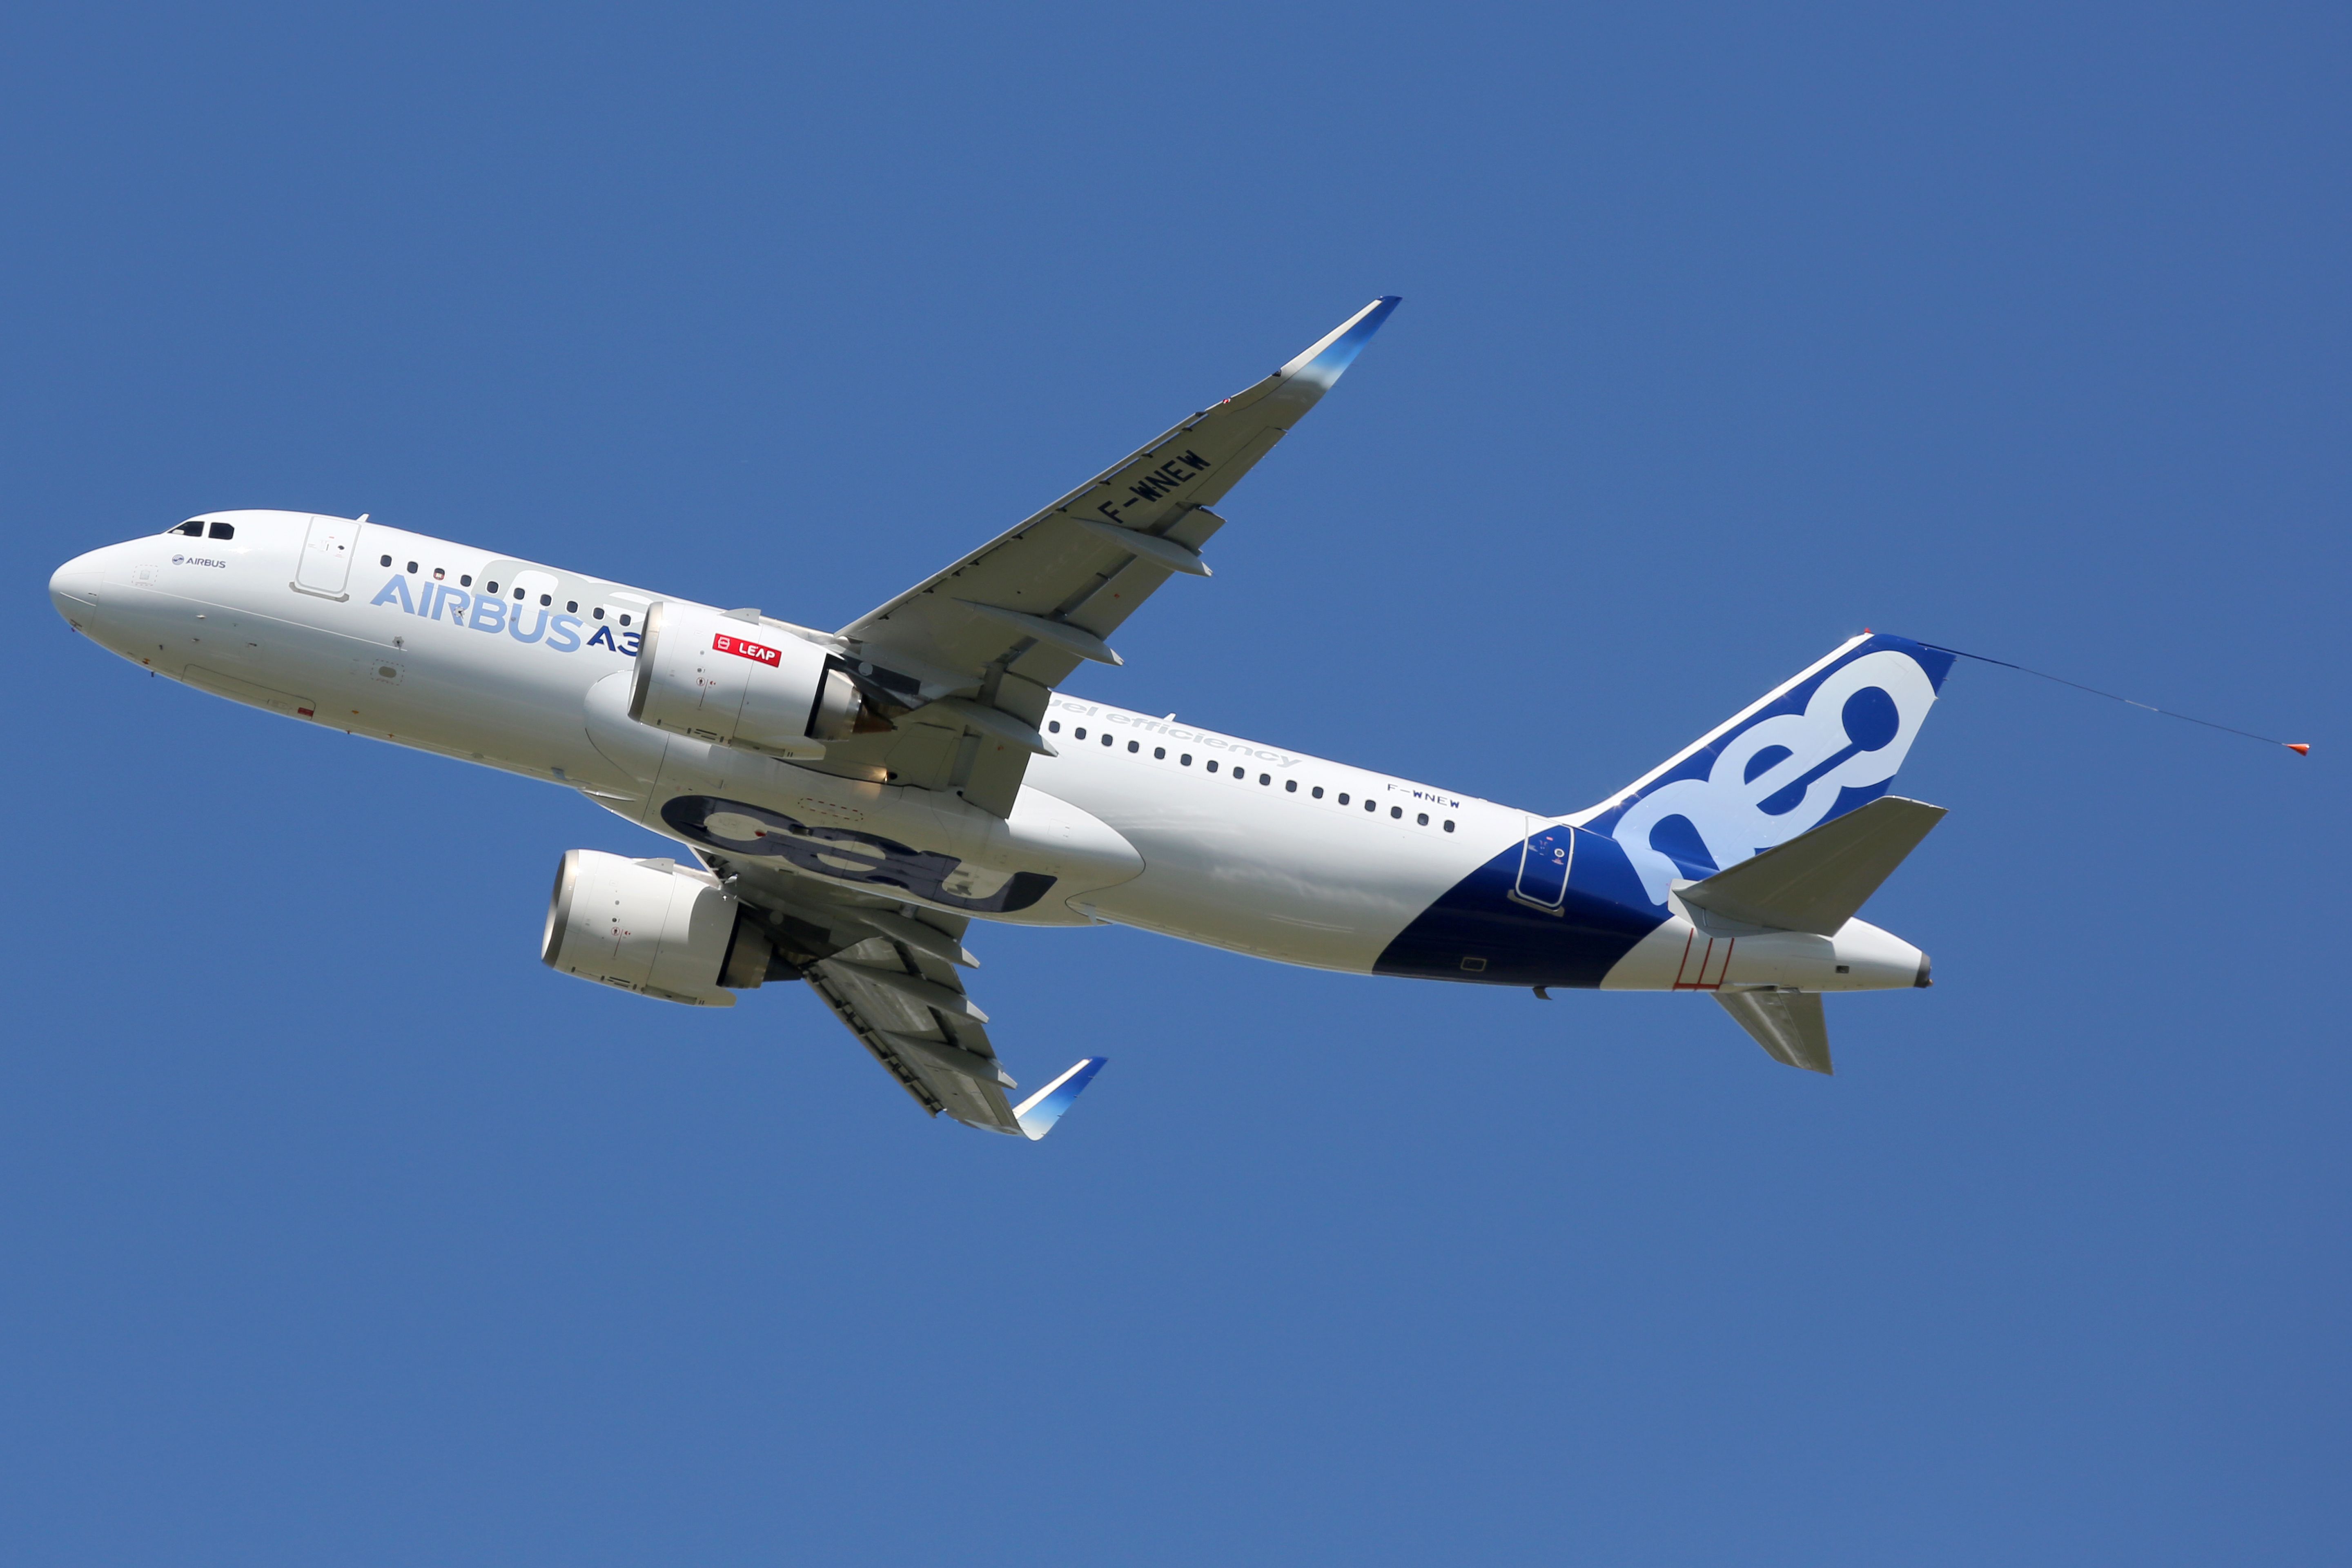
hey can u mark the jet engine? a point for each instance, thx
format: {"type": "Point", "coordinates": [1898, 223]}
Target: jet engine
{"type": "Point", "coordinates": [722, 677]}
{"type": "Point", "coordinates": [653, 926]}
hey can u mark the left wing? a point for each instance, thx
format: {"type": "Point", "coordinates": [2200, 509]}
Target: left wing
{"type": "Point", "coordinates": [891, 972]}
{"type": "Point", "coordinates": [967, 658]}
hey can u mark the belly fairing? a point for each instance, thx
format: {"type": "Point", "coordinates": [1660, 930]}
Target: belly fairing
{"type": "Point", "coordinates": [848, 855]}
{"type": "Point", "coordinates": [1496, 927]}
{"type": "Point", "coordinates": [884, 838]}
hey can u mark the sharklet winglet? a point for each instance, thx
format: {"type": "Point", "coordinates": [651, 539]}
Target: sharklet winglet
{"type": "Point", "coordinates": [1038, 1113]}
{"type": "Point", "coordinates": [1321, 365]}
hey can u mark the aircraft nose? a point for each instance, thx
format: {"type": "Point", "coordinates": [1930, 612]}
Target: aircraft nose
{"type": "Point", "coordinates": [73, 588]}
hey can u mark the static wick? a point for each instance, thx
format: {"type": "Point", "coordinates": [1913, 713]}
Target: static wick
{"type": "Point", "coordinates": [2300, 748]}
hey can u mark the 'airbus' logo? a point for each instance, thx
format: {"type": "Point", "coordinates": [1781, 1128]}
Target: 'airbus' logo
{"type": "Point", "coordinates": [488, 613]}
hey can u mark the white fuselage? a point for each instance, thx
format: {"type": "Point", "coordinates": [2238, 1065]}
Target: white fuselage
{"type": "Point", "coordinates": [1143, 821]}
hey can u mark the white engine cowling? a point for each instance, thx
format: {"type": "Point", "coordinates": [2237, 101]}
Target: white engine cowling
{"type": "Point", "coordinates": [719, 677]}
{"type": "Point", "coordinates": [653, 926]}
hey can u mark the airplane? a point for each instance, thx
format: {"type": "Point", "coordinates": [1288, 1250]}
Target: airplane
{"type": "Point", "coordinates": [846, 804]}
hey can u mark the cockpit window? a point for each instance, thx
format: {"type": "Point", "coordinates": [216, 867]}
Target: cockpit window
{"type": "Point", "coordinates": [194, 529]}
{"type": "Point", "coordinates": [224, 530]}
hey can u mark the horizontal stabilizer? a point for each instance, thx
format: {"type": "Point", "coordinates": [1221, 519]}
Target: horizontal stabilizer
{"type": "Point", "coordinates": [1038, 1113]}
{"type": "Point", "coordinates": [1788, 1024]}
{"type": "Point", "coordinates": [1818, 880]}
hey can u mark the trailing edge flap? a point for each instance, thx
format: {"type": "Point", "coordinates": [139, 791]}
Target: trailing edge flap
{"type": "Point", "coordinates": [905, 1003]}
{"type": "Point", "coordinates": [891, 974]}
{"type": "Point", "coordinates": [1788, 1024]}
{"type": "Point", "coordinates": [1818, 880]}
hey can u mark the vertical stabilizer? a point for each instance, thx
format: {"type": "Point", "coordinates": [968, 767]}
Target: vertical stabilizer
{"type": "Point", "coordinates": [1810, 751]}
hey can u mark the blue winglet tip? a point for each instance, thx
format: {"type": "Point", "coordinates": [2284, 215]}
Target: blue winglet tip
{"type": "Point", "coordinates": [1323, 364]}
{"type": "Point", "coordinates": [1038, 1113]}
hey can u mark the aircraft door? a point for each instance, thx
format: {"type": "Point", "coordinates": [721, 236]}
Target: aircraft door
{"type": "Point", "coordinates": [327, 552]}
{"type": "Point", "coordinates": [1545, 856]}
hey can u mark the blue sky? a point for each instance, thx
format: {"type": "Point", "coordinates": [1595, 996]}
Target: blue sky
{"type": "Point", "coordinates": [337, 1230]}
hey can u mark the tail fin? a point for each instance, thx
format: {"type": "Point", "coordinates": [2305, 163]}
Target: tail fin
{"type": "Point", "coordinates": [1826, 742]}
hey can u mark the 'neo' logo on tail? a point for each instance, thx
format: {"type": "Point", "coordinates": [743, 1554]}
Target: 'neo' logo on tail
{"type": "Point", "coordinates": [1825, 743]}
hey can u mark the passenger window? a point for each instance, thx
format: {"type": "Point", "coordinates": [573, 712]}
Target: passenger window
{"type": "Point", "coordinates": [224, 530]}
{"type": "Point", "coordinates": [546, 599]}
{"type": "Point", "coordinates": [570, 606]}
{"type": "Point", "coordinates": [1186, 759]}
{"type": "Point", "coordinates": [1343, 797]}
{"type": "Point", "coordinates": [1449, 825]}
{"type": "Point", "coordinates": [1053, 726]}
{"type": "Point", "coordinates": [1317, 791]}
{"type": "Point", "coordinates": [1159, 754]}
{"type": "Point", "coordinates": [1423, 819]}
{"type": "Point", "coordinates": [1397, 812]}
{"type": "Point", "coordinates": [439, 574]}
{"type": "Point", "coordinates": [1106, 739]}
{"type": "Point", "coordinates": [599, 614]}
{"type": "Point", "coordinates": [625, 620]}
{"type": "Point", "coordinates": [518, 596]}
{"type": "Point", "coordinates": [1080, 733]}
{"type": "Point", "coordinates": [489, 587]}
{"type": "Point", "coordinates": [1213, 767]}
{"type": "Point", "coordinates": [465, 581]}
{"type": "Point", "coordinates": [1265, 778]}
{"type": "Point", "coordinates": [1135, 745]}
{"type": "Point", "coordinates": [1372, 806]}
{"type": "Point", "coordinates": [387, 560]}
{"type": "Point", "coordinates": [1290, 786]}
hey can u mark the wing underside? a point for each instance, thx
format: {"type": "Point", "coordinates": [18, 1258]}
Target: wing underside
{"type": "Point", "coordinates": [893, 973]}
{"type": "Point", "coordinates": [913, 1024]}
{"type": "Point", "coordinates": [978, 648]}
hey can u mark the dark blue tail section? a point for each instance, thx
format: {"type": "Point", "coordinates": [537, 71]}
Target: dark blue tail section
{"type": "Point", "coordinates": [1563, 906]}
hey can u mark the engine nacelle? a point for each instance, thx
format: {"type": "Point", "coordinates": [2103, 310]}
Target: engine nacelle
{"type": "Point", "coordinates": [737, 683]}
{"type": "Point", "coordinates": [653, 926]}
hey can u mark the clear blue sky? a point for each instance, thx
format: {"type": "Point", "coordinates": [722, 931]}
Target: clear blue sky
{"type": "Point", "coordinates": [333, 1229]}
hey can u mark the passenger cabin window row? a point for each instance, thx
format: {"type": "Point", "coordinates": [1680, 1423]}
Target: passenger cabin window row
{"type": "Point", "coordinates": [1240, 774]}
{"type": "Point", "coordinates": [570, 606]}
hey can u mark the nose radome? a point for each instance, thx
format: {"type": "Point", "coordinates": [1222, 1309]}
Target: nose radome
{"type": "Point", "coordinates": [73, 588]}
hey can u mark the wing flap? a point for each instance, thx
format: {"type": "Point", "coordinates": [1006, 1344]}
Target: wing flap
{"type": "Point", "coordinates": [890, 973]}
{"type": "Point", "coordinates": [912, 1024]}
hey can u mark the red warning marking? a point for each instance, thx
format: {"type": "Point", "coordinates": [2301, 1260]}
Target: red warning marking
{"type": "Point", "coordinates": [1686, 978]}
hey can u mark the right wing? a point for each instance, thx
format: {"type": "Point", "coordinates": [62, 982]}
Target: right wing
{"type": "Point", "coordinates": [892, 972]}
{"type": "Point", "coordinates": [986, 640]}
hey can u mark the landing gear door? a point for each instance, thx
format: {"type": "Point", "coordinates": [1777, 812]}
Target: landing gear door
{"type": "Point", "coordinates": [326, 562]}
{"type": "Point", "coordinates": [1545, 856]}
